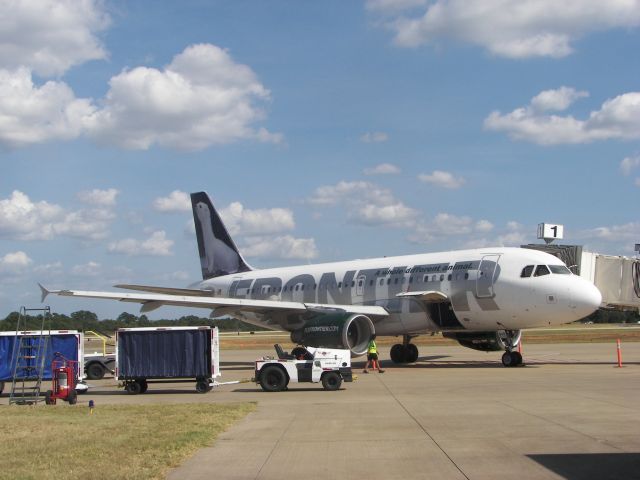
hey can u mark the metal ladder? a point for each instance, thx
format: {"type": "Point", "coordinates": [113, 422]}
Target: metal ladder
{"type": "Point", "coordinates": [29, 357]}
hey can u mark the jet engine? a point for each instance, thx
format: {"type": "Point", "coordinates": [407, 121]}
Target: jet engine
{"type": "Point", "coordinates": [485, 341]}
{"type": "Point", "coordinates": [336, 330]}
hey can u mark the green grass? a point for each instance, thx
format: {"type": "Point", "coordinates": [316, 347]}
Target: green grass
{"type": "Point", "coordinates": [115, 442]}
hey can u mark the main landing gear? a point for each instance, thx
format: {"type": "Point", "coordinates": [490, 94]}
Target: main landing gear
{"type": "Point", "coordinates": [511, 357]}
{"type": "Point", "coordinates": [404, 352]}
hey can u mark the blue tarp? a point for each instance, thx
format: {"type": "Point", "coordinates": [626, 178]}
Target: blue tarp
{"type": "Point", "coordinates": [164, 354]}
{"type": "Point", "coordinates": [66, 344]}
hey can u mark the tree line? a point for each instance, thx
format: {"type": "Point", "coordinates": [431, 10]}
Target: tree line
{"type": "Point", "coordinates": [84, 320]}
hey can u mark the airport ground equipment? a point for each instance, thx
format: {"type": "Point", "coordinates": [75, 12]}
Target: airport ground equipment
{"type": "Point", "coordinates": [167, 354]}
{"type": "Point", "coordinates": [97, 364]}
{"type": "Point", "coordinates": [65, 374]}
{"type": "Point", "coordinates": [28, 358]}
{"type": "Point", "coordinates": [68, 342]}
{"type": "Point", "coordinates": [312, 365]}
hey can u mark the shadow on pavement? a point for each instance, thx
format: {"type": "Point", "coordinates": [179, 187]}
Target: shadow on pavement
{"type": "Point", "coordinates": [588, 466]}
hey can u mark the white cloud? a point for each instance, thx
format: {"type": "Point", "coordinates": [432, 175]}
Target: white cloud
{"type": "Point", "coordinates": [50, 36]}
{"type": "Point", "coordinates": [510, 28]}
{"type": "Point", "coordinates": [374, 137]}
{"type": "Point", "coordinates": [103, 198]}
{"type": "Point", "coordinates": [31, 114]}
{"type": "Point", "coordinates": [240, 220]}
{"type": "Point", "coordinates": [382, 169]}
{"type": "Point", "coordinates": [49, 269]}
{"type": "Point", "coordinates": [637, 182]}
{"type": "Point", "coordinates": [89, 269]}
{"type": "Point", "coordinates": [484, 226]}
{"type": "Point", "coordinates": [14, 262]}
{"type": "Point", "coordinates": [618, 118]}
{"type": "Point", "coordinates": [22, 219]}
{"type": "Point", "coordinates": [559, 99]}
{"type": "Point", "coordinates": [177, 201]}
{"type": "Point", "coordinates": [366, 203]}
{"type": "Point", "coordinates": [283, 247]}
{"type": "Point", "coordinates": [156, 245]}
{"type": "Point", "coordinates": [628, 232]}
{"type": "Point", "coordinates": [202, 98]}
{"type": "Point", "coordinates": [90, 224]}
{"type": "Point", "coordinates": [448, 225]}
{"type": "Point", "coordinates": [396, 214]}
{"type": "Point", "coordinates": [442, 179]}
{"type": "Point", "coordinates": [393, 5]}
{"type": "Point", "coordinates": [628, 164]}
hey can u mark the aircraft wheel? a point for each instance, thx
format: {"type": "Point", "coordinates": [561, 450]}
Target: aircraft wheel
{"type": "Point", "coordinates": [398, 353]}
{"type": "Point", "coordinates": [507, 359]}
{"type": "Point", "coordinates": [273, 379]}
{"type": "Point", "coordinates": [331, 381]}
{"type": "Point", "coordinates": [411, 354]}
{"type": "Point", "coordinates": [511, 359]}
{"type": "Point", "coordinates": [518, 358]}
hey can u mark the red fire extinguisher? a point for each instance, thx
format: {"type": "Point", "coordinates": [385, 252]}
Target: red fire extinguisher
{"type": "Point", "coordinates": [63, 376]}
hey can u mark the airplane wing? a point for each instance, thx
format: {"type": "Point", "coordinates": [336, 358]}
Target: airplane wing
{"type": "Point", "coordinates": [168, 290]}
{"type": "Point", "coordinates": [151, 301]}
{"type": "Point", "coordinates": [428, 296]}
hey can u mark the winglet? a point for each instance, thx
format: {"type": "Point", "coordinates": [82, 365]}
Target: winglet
{"type": "Point", "coordinates": [44, 292]}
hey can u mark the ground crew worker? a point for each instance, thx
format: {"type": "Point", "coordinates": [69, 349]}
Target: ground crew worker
{"type": "Point", "coordinates": [372, 356]}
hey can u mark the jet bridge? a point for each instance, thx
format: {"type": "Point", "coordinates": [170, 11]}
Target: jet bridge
{"type": "Point", "coordinates": [617, 277]}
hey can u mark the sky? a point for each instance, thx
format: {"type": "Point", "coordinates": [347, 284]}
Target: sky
{"type": "Point", "coordinates": [323, 131]}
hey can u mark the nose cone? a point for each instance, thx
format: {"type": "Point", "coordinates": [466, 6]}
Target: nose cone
{"type": "Point", "coordinates": [586, 298]}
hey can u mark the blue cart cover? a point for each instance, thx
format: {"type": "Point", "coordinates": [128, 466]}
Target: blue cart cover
{"type": "Point", "coordinates": [164, 354]}
{"type": "Point", "coordinates": [66, 344]}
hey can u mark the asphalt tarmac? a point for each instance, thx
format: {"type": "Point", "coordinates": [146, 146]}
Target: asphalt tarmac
{"type": "Point", "coordinates": [569, 413]}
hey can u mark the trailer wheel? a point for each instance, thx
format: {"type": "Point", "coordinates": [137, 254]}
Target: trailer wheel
{"type": "Point", "coordinates": [202, 386]}
{"type": "Point", "coordinates": [331, 381]}
{"type": "Point", "coordinates": [1, 387]}
{"type": "Point", "coordinates": [47, 398]}
{"type": "Point", "coordinates": [273, 379]}
{"type": "Point", "coordinates": [143, 386]}
{"type": "Point", "coordinates": [72, 398]}
{"type": "Point", "coordinates": [95, 371]}
{"type": "Point", "coordinates": [133, 388]}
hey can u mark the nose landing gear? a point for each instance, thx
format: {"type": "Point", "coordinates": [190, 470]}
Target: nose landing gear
{"type": "Point", "coordinates": [511, 357]}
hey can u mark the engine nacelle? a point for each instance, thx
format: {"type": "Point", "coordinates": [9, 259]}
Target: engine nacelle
{"type": "Point", "coordinates": [336, 330]}
{"type": "Point", "coordinates": [484, 341]}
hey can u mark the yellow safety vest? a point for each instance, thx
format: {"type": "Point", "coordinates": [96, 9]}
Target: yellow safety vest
{"type": "Point", "coordinates": [372, 348]}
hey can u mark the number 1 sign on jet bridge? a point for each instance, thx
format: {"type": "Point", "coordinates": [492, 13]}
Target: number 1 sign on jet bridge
{"type": "Point", "coordinates": [550, 232]}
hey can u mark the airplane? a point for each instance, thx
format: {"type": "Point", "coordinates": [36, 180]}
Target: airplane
{"type": "Point", "coordinates": [482, 298]}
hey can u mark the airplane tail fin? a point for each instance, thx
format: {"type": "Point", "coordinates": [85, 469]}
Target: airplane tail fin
{"type": "Point", "coordinates": [218, 253]}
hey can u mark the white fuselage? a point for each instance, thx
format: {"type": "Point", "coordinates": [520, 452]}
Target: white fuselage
{"type": "Point", "coordinates": [485, 290]}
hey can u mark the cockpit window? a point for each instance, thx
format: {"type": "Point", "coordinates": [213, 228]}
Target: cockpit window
{"type": "Point", "coordinates": [541, 270]}
{"type": "Point", "coordinates": [560, 269]}
{"type": "Point", "coordinates": [527, 271]}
